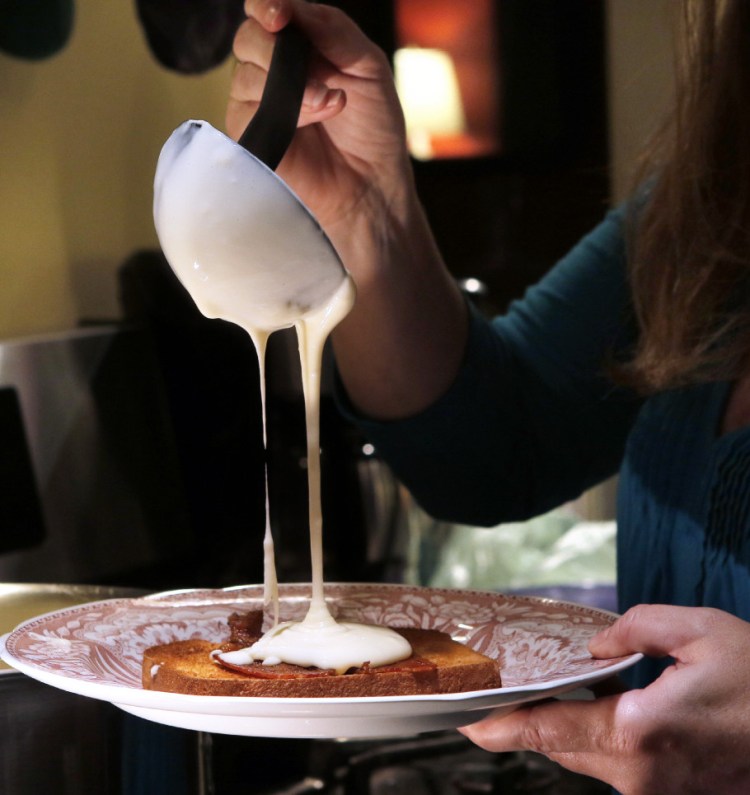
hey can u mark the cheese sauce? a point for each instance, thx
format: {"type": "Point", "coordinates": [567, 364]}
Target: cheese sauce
{"type": "Point", "coordinates": [248, 251]}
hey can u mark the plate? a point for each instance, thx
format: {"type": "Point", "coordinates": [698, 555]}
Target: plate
{"type": "Point", "coordinates": [96, 649]}
{"type": "Point", "coordinates": [23, 600]}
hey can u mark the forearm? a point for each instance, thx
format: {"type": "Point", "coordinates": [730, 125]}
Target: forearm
{"type": "Point", "coordinates": [401, 347]}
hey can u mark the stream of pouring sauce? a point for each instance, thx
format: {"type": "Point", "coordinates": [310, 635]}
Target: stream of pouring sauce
{"type": "Point", "coordinates": [248, 251]}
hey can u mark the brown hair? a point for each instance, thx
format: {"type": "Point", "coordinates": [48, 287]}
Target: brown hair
{"type": "Point", "coordinates": [690, 250]}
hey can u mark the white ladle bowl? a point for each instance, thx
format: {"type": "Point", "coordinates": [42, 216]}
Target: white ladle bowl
{"type": "Point", "coordinates": [241, 242]}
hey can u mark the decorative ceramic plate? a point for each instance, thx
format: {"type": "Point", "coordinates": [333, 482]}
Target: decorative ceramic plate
{"type": "Point", "coordinates": [96, 650]}
{"type": "Point", "coordinates": [20, 601]}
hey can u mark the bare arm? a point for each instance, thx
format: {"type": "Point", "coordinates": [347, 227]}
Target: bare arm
{"type": "Point", "coordinates": [402, 344]}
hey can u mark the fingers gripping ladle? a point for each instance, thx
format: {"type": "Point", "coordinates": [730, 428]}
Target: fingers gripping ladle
{"type": "Point", "coordinates": [272, 128]}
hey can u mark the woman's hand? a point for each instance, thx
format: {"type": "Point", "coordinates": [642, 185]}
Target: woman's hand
{"type": "Point", "coordinates": [687, 732]}
{"type": "Point", "coordinates": [401, 346]}
{"type": "Point", "coordinates": [339, 162]}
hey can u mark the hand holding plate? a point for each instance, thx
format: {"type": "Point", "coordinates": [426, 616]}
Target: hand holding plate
{"type": "Point", "coordinates": [689, 731]}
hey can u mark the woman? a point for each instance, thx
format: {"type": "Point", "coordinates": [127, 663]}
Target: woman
{"type": "Point", "coordinates": [630, 356]}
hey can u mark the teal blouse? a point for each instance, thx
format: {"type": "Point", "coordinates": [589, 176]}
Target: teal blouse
{"type": "Point", "coordinates": [532, 420]}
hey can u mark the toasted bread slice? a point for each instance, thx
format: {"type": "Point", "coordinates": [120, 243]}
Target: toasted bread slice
{"type": "Point", "coordinates": [438, 665]}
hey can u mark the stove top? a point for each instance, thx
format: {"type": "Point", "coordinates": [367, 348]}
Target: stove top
{"type": "Point", "coordinates": [444, 763]}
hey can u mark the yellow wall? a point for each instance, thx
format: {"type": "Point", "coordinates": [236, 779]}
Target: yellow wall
{"type": "Point", "coordinates": [79, 136]}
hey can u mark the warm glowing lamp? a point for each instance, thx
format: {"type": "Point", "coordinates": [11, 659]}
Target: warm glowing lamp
{"type": "Point", "coordinates": [428, 89]}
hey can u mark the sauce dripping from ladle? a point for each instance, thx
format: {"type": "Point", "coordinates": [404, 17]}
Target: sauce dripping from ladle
{"type": "Point", "coordinates": [248, 251]}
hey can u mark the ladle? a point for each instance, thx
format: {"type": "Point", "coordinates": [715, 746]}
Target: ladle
{"type": "Point", "coordinates": [249, 251]}
{"type": "Point", "coordinates": [239, 239]}
{"type": "Point", "coordinates": [272, 128]}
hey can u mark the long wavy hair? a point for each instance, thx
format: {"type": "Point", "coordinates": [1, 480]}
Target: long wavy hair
{"type": "Point", "coordinates": [690, 249]}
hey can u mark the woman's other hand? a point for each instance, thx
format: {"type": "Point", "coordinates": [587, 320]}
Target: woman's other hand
{"type": "Point", "coordinates": [687, 732]}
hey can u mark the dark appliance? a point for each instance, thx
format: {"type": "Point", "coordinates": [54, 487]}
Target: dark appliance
{"type": "Point", "coordinates": [95, 494]}
{"type": "Point", "coordinates": [443, 763]}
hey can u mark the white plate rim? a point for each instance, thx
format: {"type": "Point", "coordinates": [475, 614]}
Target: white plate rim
{"type": "Point", "coordinates": [318, 708]}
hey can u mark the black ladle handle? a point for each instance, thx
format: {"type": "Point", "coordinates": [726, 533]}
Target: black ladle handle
{"type": "Point", "coordinates": [272, 128]}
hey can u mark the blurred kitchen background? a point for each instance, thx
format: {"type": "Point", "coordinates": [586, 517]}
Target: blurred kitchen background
{"type": "Point", "coordinates": [130, 426]}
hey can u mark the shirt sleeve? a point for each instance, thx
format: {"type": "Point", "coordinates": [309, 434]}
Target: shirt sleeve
{"type": "Point", "coordinates": [532, 418]}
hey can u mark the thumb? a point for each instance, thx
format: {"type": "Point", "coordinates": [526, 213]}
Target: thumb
{"type": "Point", "coordinates": [655, 630]}
{"type": "Point", "coordinates": [585, 737]}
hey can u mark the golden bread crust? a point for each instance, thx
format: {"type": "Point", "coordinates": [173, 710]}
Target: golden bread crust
{"type": "Point", "coordinates": [186, 667]}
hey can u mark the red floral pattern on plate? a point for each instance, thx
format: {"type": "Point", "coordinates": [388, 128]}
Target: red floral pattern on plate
{"type": "Point", "coordinates": [536, 640]}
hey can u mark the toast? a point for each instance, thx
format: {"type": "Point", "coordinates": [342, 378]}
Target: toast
{"type": "Point", "coordinates": [438, 665]}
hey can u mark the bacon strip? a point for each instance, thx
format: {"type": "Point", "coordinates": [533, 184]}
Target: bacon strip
{"type": "Point", "coordinates": [258, 670]}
